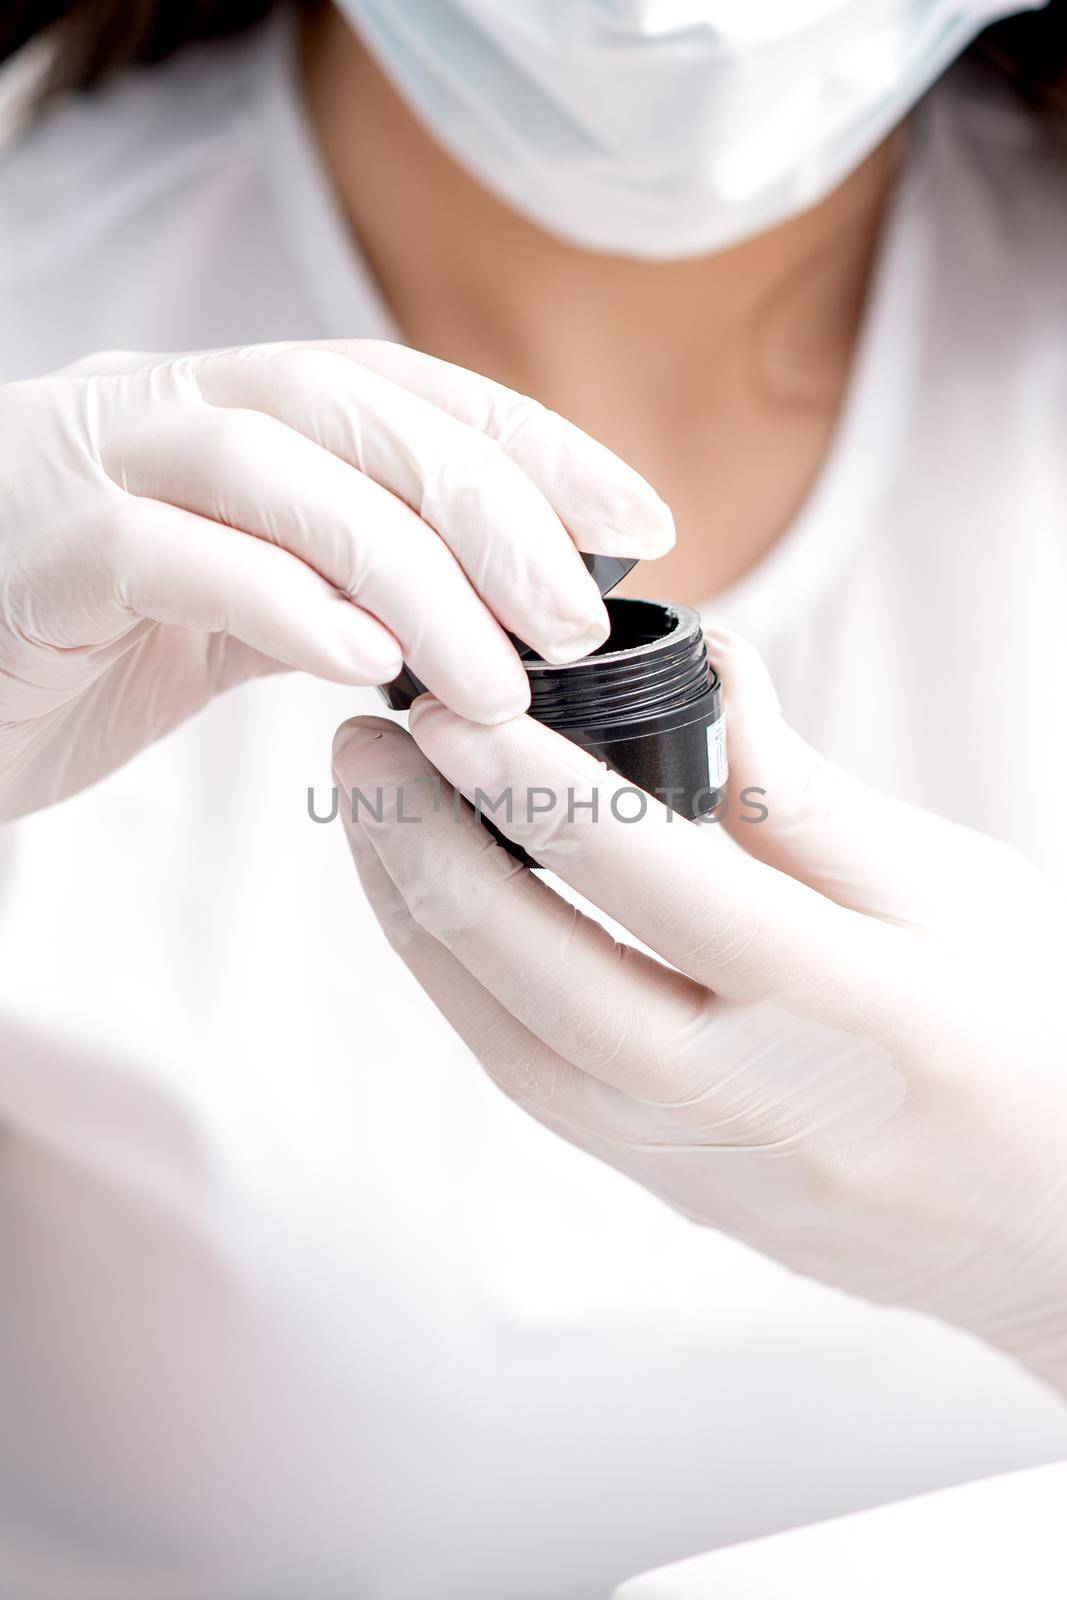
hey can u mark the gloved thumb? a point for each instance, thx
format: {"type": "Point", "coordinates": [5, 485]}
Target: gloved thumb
{"type": "Point", "coordinates": [803, 815]}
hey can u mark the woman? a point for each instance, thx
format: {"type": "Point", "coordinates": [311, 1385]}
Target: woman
{"type": "Point", "coordinates": [295, 1302]}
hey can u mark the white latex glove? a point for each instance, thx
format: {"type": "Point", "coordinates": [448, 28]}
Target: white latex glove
{"type": "Point", "coordinates": [857, 1059]}
{"type": "Point", "coordinates": [169, 527]}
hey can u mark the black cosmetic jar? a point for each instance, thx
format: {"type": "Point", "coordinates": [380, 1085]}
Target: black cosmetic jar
{"type": "Point", "coordinates": [648, 702]}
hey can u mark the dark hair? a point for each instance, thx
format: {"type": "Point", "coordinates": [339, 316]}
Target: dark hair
{"type": "Point", "coordinates": [94, 38]}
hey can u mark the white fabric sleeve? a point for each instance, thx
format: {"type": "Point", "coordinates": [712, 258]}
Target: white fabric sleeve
{"type": "Point", "coordinates": [1004, 1536]}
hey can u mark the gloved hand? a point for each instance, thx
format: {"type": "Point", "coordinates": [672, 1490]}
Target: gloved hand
{"type": "Point", "coordinates": [856, 1060]}
{"type": "Point", "coordinates": [169, 527]}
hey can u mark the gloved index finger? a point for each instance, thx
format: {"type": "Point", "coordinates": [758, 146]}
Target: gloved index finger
{"type": "Point", "coordinates": [502, 530]}
{"type": "Point", "coordinates": [732, 923]}
{"type": "Point", "coordinates": [607, 507]}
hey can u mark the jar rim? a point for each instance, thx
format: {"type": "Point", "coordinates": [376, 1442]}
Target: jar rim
{"type": "Point", "coordinates": [683, 621]}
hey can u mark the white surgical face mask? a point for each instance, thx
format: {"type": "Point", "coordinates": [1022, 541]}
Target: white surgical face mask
{"type": "Point", "coordinates": [664, 128]}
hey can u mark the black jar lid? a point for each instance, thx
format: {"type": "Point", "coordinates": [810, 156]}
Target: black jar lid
{"type": "Point", "coordinates": [608, 571]}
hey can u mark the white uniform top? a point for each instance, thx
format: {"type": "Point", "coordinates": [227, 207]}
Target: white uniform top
{"type": "Point", "coordinates": [294, 1305]}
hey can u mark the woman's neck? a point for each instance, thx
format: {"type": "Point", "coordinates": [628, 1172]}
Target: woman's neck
{"type": "Point", "coordinates": [719, 377]}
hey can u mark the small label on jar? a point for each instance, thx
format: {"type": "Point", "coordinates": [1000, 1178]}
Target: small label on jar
{"type": "Point", "coordinates": [718, 770]}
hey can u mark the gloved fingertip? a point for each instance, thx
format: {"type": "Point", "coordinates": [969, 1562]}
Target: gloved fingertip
{"type": "Point", "coordinates": [753, 707]}
{"type": "Point", "coordinates": [497, 719]}
{"type": "Point", "coordinates": [356, 734]}
{"type": "Point", "coordinates": [662, 535]}
{"type": "Point", "coordinates": [488, 712]}
{"type": "Point", "coordinates": [643, 528]}
{"type": "Point", "coordinates": [422, 707]}
{"type": "Point", "coordinates": [719, 642]}
{"type": "Point", "coordinates": [581, 642]}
